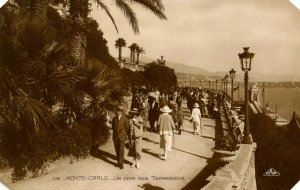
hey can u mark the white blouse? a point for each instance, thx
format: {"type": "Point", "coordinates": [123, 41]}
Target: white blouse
{"type": "Point", "coordinates": [196, 115]}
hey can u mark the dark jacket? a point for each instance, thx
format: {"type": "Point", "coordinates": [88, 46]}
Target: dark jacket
{"type": "Point", "coordinates": [153, 112]}
{"type": "Point", "coordinates": [121, 128]}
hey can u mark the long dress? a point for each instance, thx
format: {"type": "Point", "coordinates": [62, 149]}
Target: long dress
{"type": "Point", "coordinates": [136, 126]}
{"type": "Point", "coordinates": [166, 127]}
{"type": "Point", "coordinates": [196, 119]}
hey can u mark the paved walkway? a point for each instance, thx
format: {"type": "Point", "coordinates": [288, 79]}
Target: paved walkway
{"type": "Point", "coordinates": [188, 157]}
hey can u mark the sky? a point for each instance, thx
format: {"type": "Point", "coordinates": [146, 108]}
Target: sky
{"type": "Point", "coordinates": [210, 33]}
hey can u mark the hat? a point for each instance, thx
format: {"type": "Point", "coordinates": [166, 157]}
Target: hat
{"type": "Point", "coordinates": [119, 108]}
{"type": "Point", "coordinates": [153, 94]}
{"type": "Point", "coordinates": [165, 109]}
{"type": "Point", "coordinates": [134, 111]}
{"type": "Point", "coordinates": [196, 105]}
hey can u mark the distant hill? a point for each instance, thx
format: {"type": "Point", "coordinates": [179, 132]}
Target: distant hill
{"type": "Point", "coordinates": [182, 68]}
{"type": "Point", "coordinates": [179, 67]}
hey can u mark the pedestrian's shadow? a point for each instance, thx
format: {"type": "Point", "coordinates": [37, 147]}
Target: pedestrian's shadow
{"type": "Point", "coordinates": [151, 153]}
{"type": "Point", "coordinates": [149, 140]}
{"type": "Point", "coordinates": [207, 137]}
{"type": "Point", "coordinates": [107, 157]}
{"type": "Point", "coordinates": [200, 180]}
{"type": "Point", "coordinates": [148, 186]}
{"type": "Point", "coordinates": [187, 131]}
{"type": "Point", "coordinates": [209, 126]}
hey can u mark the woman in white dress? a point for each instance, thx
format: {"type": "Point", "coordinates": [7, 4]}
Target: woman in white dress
{"type": "Point", "coordinates": [196, 119]}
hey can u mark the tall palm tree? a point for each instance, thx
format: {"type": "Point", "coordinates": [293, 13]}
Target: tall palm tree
{"type": "Point", "coordinates": [80, 9]}
{"type": "Point", "coordinates": [120, 42]}
{"type": "Point", "coordinates": [133, 48]}
{"type": "Point", "coordinates": [80, 15]}
{"type": "Point", "coordinates": [139, 50]}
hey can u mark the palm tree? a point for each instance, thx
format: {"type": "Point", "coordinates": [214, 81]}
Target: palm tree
{"type": "Point", "coordinates": [79, 10]}
{"type": "Point", "coordinates": [38, 9]}
{"type": "Point", "coordinates": [120, 42]}
{"type": "Point", "coordinates": [139, 51]}
{"type": "Point", "coordinates": [132, 48]}
{"type": "Point", "coordinates": [154, 6]}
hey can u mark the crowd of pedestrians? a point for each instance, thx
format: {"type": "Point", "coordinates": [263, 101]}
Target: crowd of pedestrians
{"type": "Point", "coordinates": [165, 116]}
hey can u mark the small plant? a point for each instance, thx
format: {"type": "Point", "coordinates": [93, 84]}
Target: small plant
{"type": "Point", "coordinates": [226, 143]}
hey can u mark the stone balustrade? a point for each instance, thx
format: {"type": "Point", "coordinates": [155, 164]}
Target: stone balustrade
{"type": "Point", "coordinates": [239, 174]}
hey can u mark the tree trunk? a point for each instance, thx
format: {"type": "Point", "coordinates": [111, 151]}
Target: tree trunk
{"type": "Point", "coordinates": [120, 53]}
{"type": "Point", "coordinates": [39, 9]}
{"type": "Point", "coordinates": [133, 57]}
{"type": "Point", "coordinates": [75, 48]}
{"type": "Point", "coordinates": [137, 58]}
{"type": "Point", "coordinates": [78, 44]}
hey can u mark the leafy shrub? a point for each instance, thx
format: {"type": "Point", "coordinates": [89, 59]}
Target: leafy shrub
{"type": "Point", "coordinates": [226, 143]}
{"type": "Point", "coordinates": [33, 154]}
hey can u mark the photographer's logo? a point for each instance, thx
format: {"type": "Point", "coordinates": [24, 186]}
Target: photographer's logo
{"type": "Point", "coordinates": [2, 2]}
{"type": "Point", "coordinates": [272, 172]}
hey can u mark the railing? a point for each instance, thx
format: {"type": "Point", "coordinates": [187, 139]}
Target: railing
{"type": "Point", "coordinates": [239, 174]}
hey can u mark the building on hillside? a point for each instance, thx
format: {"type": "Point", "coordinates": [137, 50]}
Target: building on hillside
{"type": "Point", "coordinates": [132, 66]}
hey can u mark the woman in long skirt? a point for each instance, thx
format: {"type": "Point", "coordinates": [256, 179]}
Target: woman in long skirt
{"type": "Point", "coordinates": [196, 119]}
{"type": "Point", "coordinates": [166, 127]}
{"type": "Point", "coordinates": [136, 126]}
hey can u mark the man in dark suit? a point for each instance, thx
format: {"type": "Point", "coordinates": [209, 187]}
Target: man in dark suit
{"type": "Point", "coordinates": [121, 131]}
{"type": "Point", "coordinates": [153, 112]}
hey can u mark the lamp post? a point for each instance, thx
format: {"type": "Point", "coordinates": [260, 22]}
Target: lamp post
{"type": "Point", "coordinates": [245, 61]}
{"type": "Point", "coordinates": [232, 76]}
{"type": "Point", "coordinates": [208, 84]}
{"type": "Point", "coordinates": [216, 85]}
{"type": "Point", "coordinates": [223, 84]}
{"type": "Point", "coordinates": [226, 81]}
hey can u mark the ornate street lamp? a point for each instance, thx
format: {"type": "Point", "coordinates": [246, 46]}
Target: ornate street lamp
{"type": "Point", "coordinates": [245, 61]}
{"type": "Point", "coordinates": [226, 81]}
{"type": "Point", "coordinates": [223, 86]}
{"type": "Point", "coordinates": [232, 76]}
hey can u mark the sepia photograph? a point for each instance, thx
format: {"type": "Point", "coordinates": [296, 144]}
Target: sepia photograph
{"type": "Point", "coordinates": [149, 95]}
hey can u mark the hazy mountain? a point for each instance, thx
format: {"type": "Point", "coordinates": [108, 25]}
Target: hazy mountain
{"type": "Point", "coordinates": [179, 67]}
{"type": "Point", "coordinates": [182, 68]}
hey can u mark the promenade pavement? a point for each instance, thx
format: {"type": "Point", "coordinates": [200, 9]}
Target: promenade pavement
{"type": "Point", "coordinates": [188, 157]}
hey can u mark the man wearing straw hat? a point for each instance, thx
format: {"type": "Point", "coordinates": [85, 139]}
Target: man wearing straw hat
{"type": "Point", "coordinates": [121, 131]}
{"type": "Point", "coordinates": [166, 127]}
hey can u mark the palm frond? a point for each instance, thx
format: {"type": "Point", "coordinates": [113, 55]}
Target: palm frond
{"type": "Point", "coordinates": [7, 82]}
{"type": "Point", "coordinates": [55, 53]}
{"type": "Point", "coordinates": [155, 6]}
{"type": "Point", "coordinates": [33, 113]}
{"type": "Point", "coordinates": [32, 37]}
{"type": "Point", "coordinates": [63, 81]}
{"type": "Point", "coordinates": [129, 14]}
{"type": "Point", "coordinates": [106, 9]}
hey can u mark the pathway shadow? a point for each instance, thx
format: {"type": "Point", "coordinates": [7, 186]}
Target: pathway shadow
{"type": "Point", "coordinates": [147, 151]}
{"type": "Point", "coordinates": [107, 157]}
{"type": "Point", "coordinates": [148, 186]}
{"type": "Point", "coordinates": [190, 153]}
{"type": "Point", "coordinates": [207, 137]}
{"type": "Point", "coordinates": [149, 140]}
{"type": "Point", "coordinates": [200, 180]}
{"type": "Point", "coordinates": [187, 131]}
{"type": "Point", "coordinates": [209, 126]}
